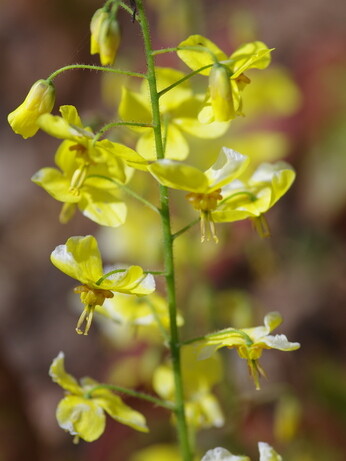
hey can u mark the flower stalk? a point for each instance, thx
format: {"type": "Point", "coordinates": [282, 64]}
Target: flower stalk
{"type": "Point", "coordinates": [167, 244]}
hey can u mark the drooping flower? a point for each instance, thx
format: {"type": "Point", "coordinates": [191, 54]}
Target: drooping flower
{"type": "Point", "coordinates": [82, 411]}
{"type": "Point", "coordinates": [251, 199]}
{"type": "Point", "coordinates": [249, 343]}
{"type": "Point", "coordinates": [267, 453]}
{"type": "Point", "coordinates": [178, 108]}
{"type": "Point", "coordinates": [204, 187]}
{"type": "Point", "coordinates": [69, 127]}
{"type": "Point", "coordinates": [199, 377]}
{"type": "Point", "coordinates": [105, 36]}
{"type": "Point", "coordinates": [226, 74]}
{"type": "Point", "coordinates": [82, 183]}
{"type": "Point", "coordinates": [80, 259]}
{"type": "Point", "coordinates": [40, 99]}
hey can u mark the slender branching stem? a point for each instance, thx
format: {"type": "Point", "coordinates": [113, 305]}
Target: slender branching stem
{"type": "Point", "coordinates": [168, 245]}
{"type": "Point", "coordinates": [186, 228]}
{"type": "Point", "coordinates": [132, 393]}
{"type": "Point", "coordinates": [127, 190]}
{"type": "Point", "coordinates": [97, 68]}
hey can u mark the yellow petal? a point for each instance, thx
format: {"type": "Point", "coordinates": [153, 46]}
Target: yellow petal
{"type": "Point", "coordinates": [249, 56]}
{"type": "Point", "coordinates": [81, 417]}
{"type": "Point", "coordinates": [70, 114]}
{"type": "Point", "coordinates": [102, 207]}
{"type": "Point", "coordinates": [179, 176]}
{"type": "Point", "coordinates": [79, 258]}
{"type": "Point", "coordinates": [122, 413]}
{"type": "Point", "coordinates": [134, 108]}
{"type": "Point", "coordinates": [65, 380]}
{"type": "Point", "coordinates": [198, 59]}
{"type": "Point", "coordinates": [55, 184]}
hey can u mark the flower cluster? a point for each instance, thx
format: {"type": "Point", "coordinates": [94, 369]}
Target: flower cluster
{"type": "Point", "coordinates": [93, 174]}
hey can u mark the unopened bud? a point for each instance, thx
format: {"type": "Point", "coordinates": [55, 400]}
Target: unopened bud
{"type": "Point", "coordinates": [105, 36]}
{"type": "Point", "coordinates": [221, 93]}
{"type": "Point", "coordinates": [40, 100]}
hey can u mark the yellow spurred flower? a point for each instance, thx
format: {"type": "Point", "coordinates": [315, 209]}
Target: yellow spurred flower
{"type": "Point", "coordinates": [39, 100]}
{"type": "Point", "coordinates": [69, 126]}
{"type": "Point", "coordinates": [249, 343]}
{"type": "Point", "coordinates": [251, 199]}
{"type": "Point", "coordinates": [199, 377]}
{"type": "Point", "coordinates": [105, 36]}
{"type": "Point", "coordinates": [267, 453]}
{"type": "Point", "coordinates": [80, 259]}
{"type": "Point", "coordinates": [204, 187]}
{"type": "Point", "coordinates": [178, 109]}
{"type": "Point", "coordinates": [82, 183]}
{"type": "Point", "coordinates": [82, 411]}
{"type": "Point", "coordinates": [199, 52]}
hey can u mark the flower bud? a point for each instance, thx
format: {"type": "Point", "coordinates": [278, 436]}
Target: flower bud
{"type": "Point", "coordinates": [105, 36]}
{"type": "Point", "coordinates": [221, 94]}
{"type": "Point", "coordinates": [40, 99]}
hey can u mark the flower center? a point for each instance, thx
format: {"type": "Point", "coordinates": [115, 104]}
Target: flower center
{"type": "Point", "coordinates": [204, 202]}
{"type": "Point", "coordinates": [90, 297]}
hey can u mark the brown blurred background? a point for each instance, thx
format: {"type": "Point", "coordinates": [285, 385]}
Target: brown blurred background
{"type": "Point", "coordinates": [309, 288]}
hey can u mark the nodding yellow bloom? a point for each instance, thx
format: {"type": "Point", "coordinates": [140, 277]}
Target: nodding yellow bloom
{"type": "Point", "coordinates": [253, 198]}
{"type": "Point", "coordinates": [82, 411]}
{"type": "Point", "coordinates": [204, 187]}
{"type": "Point", "coordinates": [80, 259]}
{"type": "Point", "coordinates": [105, 36]}
{"type": "Point", "coordinates": [221, 93]}
{"type": "Point", "coordinates": [80, 182]}
{"type": "Point", "coordinates": [40, 99]}
{"type": "Point", "coordinates": [267, 453]}
{"type": "Point", "coordinates": [226, 73]}
{"type": "Point", "coordinates": [249, 343]}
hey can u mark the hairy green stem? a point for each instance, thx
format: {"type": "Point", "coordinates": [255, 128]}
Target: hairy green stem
{"type": "Point", "coordinates": [91, 67]}
{"type": "Point", "coordinates": [186, 228]}
{"type": "Point", "coordinates": [111, 125]}
{"type": "Point", "coordinates": [127, 190]}
{"type": "Point", "coordinates": [168, 245]}
{"type": "Point", "coordinates": [132, 393]}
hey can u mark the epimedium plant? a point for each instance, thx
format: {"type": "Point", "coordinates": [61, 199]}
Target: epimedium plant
{"type": "Point", "coordinates": [94, 175]}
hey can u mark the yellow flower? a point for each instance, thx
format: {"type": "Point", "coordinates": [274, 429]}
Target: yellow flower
{"type": "Point", "coordinates": [82, 411]}
{"type": "Point", "coordinates": [105, 36]}
{"type": "Point", "coordinates": [267, 453]}
{"type": "Point", "coordinates": [204, 187]}
{"type": "Point", "coordinates": [70, 127]}
{"type": "Point", "coordinates": [80, 259]}
{"type": "Point", "coordinates": [249, 343]}
{"type": "Point", "coordinates": [178, 108]}
{"type": "Point", "coordinates": [253, 198]}
{"type": "Point", "coordinates": [39, 100]}
{"type": "Point", "coordinates": [76, 185]}
{"type": "Point", "coordinates": [201, 406]}
{"type": "Point", "coordinates": [226, 74]}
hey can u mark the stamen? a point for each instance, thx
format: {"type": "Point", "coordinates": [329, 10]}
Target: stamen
{"type": "Point", "coordinates": [87, 316]}
{"type": "Point", "coordinates": [261, 225]}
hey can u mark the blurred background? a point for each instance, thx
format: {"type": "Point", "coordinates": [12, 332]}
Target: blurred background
{"type": "Point", "coordinates": [295, 110]}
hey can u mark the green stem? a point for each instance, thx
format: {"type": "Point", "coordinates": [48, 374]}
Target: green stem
{"type": "Point", "coordinates": [186, 77]}
{"type": "Point", "coordinates": [186, 228]}
{"type": "Point", "coordinates": [111, 125]}
{"type": "Point", "coordinates": [168, 246]}
{"type": "Point", "coordinates": [132, 393]}
{"type": "Point", "coordinates": [91, 67]}
{"type": "Point", "coordinates": [127, 190]}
